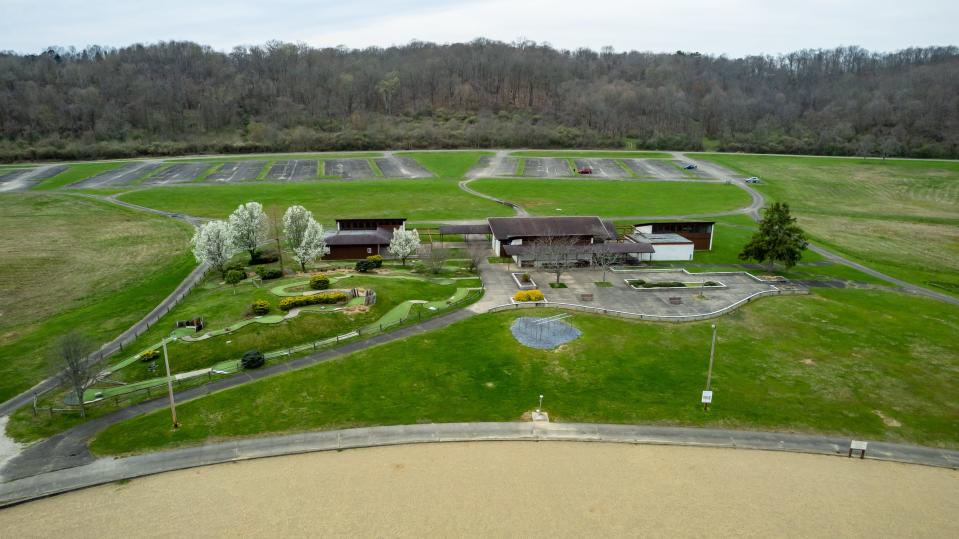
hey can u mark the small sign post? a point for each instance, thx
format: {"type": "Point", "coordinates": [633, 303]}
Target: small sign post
{"type": "Point", "coordinates": [858, 445]}
{"type": "Point", "coordinates": [707, 398]}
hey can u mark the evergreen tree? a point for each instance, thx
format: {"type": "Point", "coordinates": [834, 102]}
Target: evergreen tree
{"type": "Point", "coordinates": [779, 239]}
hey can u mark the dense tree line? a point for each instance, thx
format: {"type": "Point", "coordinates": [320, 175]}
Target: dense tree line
{"type": "Point", "coordinates": [180, 97]}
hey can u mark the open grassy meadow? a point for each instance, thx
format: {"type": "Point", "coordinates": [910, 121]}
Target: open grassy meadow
{"type": "Point", "coordinates": [417, 200]}
{"type": "Point", "coordinates": [898, 216]}
{"type": "Point", "coordinates": [852, 362]}
{"type": "Point", "coordinates": [73, 263]}
{"type": "Point", "coordinates": [611, 198]}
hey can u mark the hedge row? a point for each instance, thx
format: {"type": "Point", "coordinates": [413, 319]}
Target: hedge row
{"type": "Point", "coordinates": [324, 298]}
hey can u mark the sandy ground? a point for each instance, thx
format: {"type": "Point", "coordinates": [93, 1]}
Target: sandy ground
{"type": "Point", "coordinates": [514, 489]}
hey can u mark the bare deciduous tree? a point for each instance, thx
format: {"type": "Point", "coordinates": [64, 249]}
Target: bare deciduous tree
{"type": "Point", "coordinates": [436, 257]}
{"type": "Point", "coordinates": [606, 260]}
{"type": "Point", "coordinates": [74, 366]}
{"type": "Point", "coordinates": [556, 254]}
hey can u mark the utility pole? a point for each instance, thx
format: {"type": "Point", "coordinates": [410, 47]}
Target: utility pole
{"type": "Point", "coordinates": [169, 385]}
{"type": "Point", "coordinates": [708, 394]}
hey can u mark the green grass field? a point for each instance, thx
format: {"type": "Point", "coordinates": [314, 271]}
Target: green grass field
{"type": "Point", "coordinates": [598, 154]}
{"type": "Point", "coordinates": [830, 363]}
{"type": "Point", "coordinates": [77, 264]}
{"type": "Point", "coordinates": [900, 217]}
{"type": "Point", "coordinates": [414, 199]}
{"type": "Point", "coordinates": [614, 198]}
{"type": "Point", "coordinates": [75, 173]}
{"type": "Point", "coordinates": [446, 164]}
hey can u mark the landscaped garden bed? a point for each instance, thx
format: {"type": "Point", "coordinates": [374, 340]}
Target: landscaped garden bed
{"type": "Point", "coordinates": [640, 284]}
{"type": "Point", "coordinates": [528, 296]}
{"type": "Point", "coordinates": [524, 281]}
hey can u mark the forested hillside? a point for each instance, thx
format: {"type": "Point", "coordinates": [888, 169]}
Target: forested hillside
{"type": "Point", "coordinates": [178, 97]}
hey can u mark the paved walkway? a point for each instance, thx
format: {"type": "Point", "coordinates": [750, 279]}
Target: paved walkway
{"type": "Point", "coordinates": [69, 448]}
{"type": "Point", "coordinates": [106, 470]}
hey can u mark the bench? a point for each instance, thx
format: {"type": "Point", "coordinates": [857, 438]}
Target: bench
{"type": "Point", "coordinates": [675, 300]}
{"type": "Point", "coordinates": [586, 297]}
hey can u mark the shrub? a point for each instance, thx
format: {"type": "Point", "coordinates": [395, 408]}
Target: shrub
{"type": "Point", "coordinates": [525, 278]}
{"type": "Point", "coordinates": [319, 282]}
{"type": "Point", "coordinates": [377, 260]}
{"type": "Point", "coordinates": [261, 306]}
{"type": "Point", "coordinates": [364, 266]}
{"type": "Point", "coordinates": [636, 282]}
{"type": "Point", "coordinates": [269, 273]}
{"type": "Point", "coordinates": [528, 295]}
{"type": "Point", "coordinates": [235, 266]}
{"type": "Point", "coordinates": [150, 355]}
{"type": "Point", "coordinates": [711, 283]}
{"type": "Point", "coordinates": [313, 299]}
{"type": "Point", "coordinates": [252, 359]}
{"type": "Point", "coordinates": [264, 258]}
{"type": "Point", "coordinates": [235, 276]}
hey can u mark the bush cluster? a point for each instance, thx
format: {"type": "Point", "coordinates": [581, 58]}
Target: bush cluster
{"type": "Point", "coordinates": [265, 258]}
{"type": "Point", "coordinates": [313, 299]}
{"type": "Point", "coordinates": [260, 307]}
{"type": "Point", "coordinates": [364, 266]}
{"type": "Point", "coordinates": [234, 276]}
{"type": "Point", "coordinates": [235, 266]}
{"type": "Point", "coordinates": [319, 282]}
{"type": "Point", "coordinates": [252, 359]}
{"type": "Point", "coordinates": [525, 278]}
{"type": "Point", "coordinates": [528, 295]}
{"type": "Point", "coordinates": [269, 273]}
{"type": "Point", "coordinates": [711, 283]}
{"type": "Point", "coordinates": [377, 260]}
{"type": "Point", "coordinates": [150, 355]}
{"type": "Point", "coordinates": [664, 284]}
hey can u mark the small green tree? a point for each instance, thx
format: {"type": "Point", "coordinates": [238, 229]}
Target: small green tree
{"type": "Point", "coordinates": [252, 359]}
{"type": "Point", "coordinates": [779, 239]}
{"type": "Point", "coordinates": [234, 277]}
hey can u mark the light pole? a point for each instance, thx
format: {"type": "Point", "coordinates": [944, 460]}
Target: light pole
{"type": "Point", "coordinates": [540, 404]}
{"type": "Point", "coordinates": [708, 394]}
{"type": "Point", "coordinates": [169, 385]}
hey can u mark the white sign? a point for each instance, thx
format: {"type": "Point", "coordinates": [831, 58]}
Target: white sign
{"type": "Point", "coordinates": [707, 397]}
{"type": "Point", "coordinates": [858, 445]}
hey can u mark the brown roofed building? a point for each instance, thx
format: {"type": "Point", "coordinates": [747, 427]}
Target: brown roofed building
{"type": "Point", "coordinates": [698, 232]}
{"type": "Point", "coordinates": [356, 239]}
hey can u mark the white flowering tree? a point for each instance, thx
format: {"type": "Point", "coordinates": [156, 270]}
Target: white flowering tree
{"type": "Point", "coordinates": [295, 221]}
{"type": "Point", "coordinates": [312, 246]}
{"type": "Point", "coordinates": [248, 227]}
{"type": "Point", "coordinates": [213, 244]}
{"type": "Point", "coordinates": [405, 243]}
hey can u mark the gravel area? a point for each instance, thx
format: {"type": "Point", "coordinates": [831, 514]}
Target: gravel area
{"type": "Point", "coordinates": [516, 489]}
{"type": "Point", "coordinates": [401, 167]}
{"type": "Point", "coordinates": [491, 167]}
{"type": "Point", "coordinates": [178, 173]}
{"type": "Point", "coordinates": [602, 168]}
{"type": "Point", "coordinates": [543, 333]}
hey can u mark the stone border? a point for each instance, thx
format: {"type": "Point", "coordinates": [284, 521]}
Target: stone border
{"type": "Point", "coordinates": [108, 470]}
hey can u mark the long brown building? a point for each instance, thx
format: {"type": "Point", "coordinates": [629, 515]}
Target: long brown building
{"type": "Point", "coordinates": [355, 239]}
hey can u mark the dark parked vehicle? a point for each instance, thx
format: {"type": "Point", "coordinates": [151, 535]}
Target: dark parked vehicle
{"type": "Point", "coordinates": [689, 166]}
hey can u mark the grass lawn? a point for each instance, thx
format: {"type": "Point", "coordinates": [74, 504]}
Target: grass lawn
{"type": "Point", "coordinates": [414, 199]}
{"type": "Point", "coordinates": [73, 263]}
{"type": "Point", "coordinates": [899, 216]}
{"type": "Point", "coordinates": [850, 362]}
{"type": "Point", "coordinates": [614, 198]}
{"type": "Point", "coordinates": [597, 154]}
{"type": "Point", "coordinates": [446, 164]}
{"type": "Point", "coordinates": [76, 173]}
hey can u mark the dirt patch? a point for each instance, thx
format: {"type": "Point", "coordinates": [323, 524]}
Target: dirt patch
{"type": "Point", "coordinates": [808, 361]}
{"type": "Point", "coordinates": [890, 422]}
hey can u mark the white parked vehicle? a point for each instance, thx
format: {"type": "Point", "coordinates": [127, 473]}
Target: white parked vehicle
{"type": "Point", "coordinates": [752, 179]}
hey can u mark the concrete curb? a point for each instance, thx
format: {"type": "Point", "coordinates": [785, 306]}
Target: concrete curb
{"type": "Point", "coordinates": [107, 470]}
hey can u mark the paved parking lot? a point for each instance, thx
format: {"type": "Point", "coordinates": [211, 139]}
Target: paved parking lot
{"type": "Point", "coordinates": [401, 167]}
{"type": "Point", "coordinates": [293, 170]}
{"type": "Point", "coordinates": [237, 171]}
{"type": "Point", "coordinates": [490, 166]}
{"type": "Point", "coordinates": [546, 167]}
{"type": "Point", "coordinates": [123, 175]}
{"type": "Point", "coordinates": [348, 168]}
{"type": "Point", "coordinates": [602, 168]}
{"type": "Point", "coordinates": [692, 301]}
{"type": "Point", "coordinates": [178, 173]}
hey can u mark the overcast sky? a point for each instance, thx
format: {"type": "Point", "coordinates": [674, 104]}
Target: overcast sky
{"type": "Point", "coordinates": [732, 27]}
